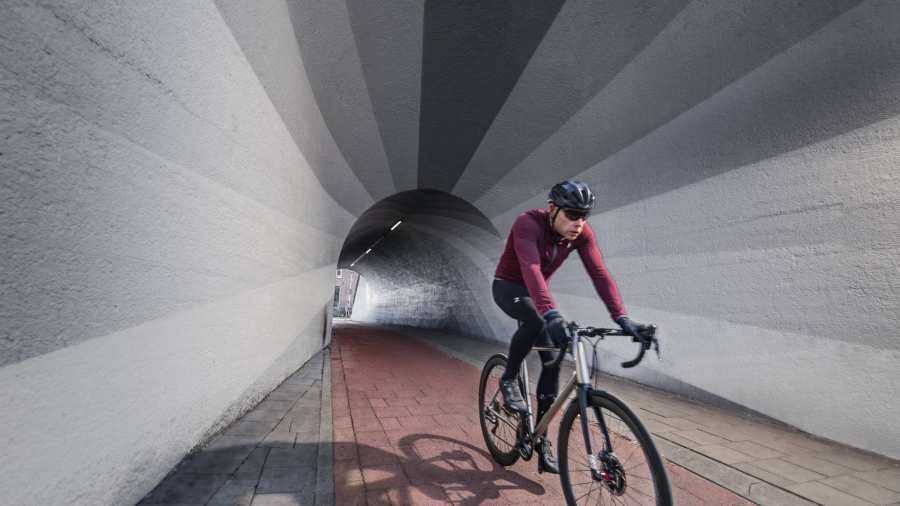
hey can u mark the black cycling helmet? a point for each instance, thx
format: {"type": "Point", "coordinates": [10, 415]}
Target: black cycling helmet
{"type": "Point", "coordinates": [572, 195]}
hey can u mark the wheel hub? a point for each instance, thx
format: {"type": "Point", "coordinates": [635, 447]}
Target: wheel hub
{"type": "Point", "coordinates": [612, 474]}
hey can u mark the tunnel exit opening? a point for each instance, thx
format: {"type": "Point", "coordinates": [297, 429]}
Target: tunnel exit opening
{"type": "Point", "coordinates": [346, 284]}
{"type": "Point", "coordinates": [419, 258]}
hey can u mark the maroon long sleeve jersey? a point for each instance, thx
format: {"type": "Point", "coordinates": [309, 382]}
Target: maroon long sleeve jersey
{"type": "Point", "coordinates": [534, 252]}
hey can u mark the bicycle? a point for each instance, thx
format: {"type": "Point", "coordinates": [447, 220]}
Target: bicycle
{"type": "Point", "coordinates": [627, 465]}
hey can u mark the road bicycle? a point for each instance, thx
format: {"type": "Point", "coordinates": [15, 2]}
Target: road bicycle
{"type": "Point", "coordinates": [604, 452]}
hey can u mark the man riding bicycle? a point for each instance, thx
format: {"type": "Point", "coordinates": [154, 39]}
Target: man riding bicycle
{"type": "Point", "coordinates": [539, 242]}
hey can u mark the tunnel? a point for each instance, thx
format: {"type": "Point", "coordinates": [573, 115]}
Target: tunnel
{"type": "Point", "coordinates": [179, 182]}
{"type": "Point", "coordinates": [427, 265]}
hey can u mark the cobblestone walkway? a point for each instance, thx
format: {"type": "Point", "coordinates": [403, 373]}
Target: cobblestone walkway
{"type": "Point", "coordinates": [277, 454]}
{"type": "Point", "coordinates": [406, 431]}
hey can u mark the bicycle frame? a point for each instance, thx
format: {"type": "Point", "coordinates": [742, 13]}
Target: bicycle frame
{"type": "Point", "coordinates": [580, 378]}
{"type": "Point", "coordinates": [604, 466]}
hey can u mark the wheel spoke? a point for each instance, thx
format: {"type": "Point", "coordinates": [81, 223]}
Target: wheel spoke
{"type": "Point", "coordinates": [625, 443]}
{"type": "Point", "coordinates": [626, 459]}
{"type": "Point", "coordinates": [586, 494]}
{"type": "Point", "coordinates": [500, 431]}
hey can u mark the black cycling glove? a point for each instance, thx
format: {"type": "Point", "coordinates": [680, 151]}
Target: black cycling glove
{"type": "Point", "coordinates": [634, 329]}
{"type": "Point", "coordinates": [555, 325]}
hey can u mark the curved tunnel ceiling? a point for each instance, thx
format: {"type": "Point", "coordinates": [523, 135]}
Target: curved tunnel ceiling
{"type": "Point", "coordinates": [495, 104]}
{"type": "Point", "coordinates": [645, 100]}
{"type": "Point", "coordinates": [417, 208]}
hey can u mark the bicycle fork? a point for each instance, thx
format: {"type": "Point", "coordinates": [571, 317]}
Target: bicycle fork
{"type": "Point", "coordinates": [583, 395]}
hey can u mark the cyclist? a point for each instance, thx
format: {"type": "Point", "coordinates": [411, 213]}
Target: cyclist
{"type": "Point", "coordinates": [539, 242]}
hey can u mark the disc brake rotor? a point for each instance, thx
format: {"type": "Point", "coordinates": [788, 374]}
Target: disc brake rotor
{"type": "Point", "coordinates": [612, 474]}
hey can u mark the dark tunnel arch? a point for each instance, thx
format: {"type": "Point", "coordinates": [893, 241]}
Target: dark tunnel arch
{"type": "Point", "coordinates": [415, 206]}
{"type": "Point", "coordinates": [430, 271]}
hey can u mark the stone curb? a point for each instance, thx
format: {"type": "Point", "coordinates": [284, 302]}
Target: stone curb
{"type": "Point", "coordinates": [742, 484]}
{"type": "Point", "coordinates": [325, 462]}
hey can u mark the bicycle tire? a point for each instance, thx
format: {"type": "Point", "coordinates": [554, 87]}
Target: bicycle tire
{"type": "Point", "coordinates": [616, 415]}
{"type": "Point", "coordinates": [501, 456]}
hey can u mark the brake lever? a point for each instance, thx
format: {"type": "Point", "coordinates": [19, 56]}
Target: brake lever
{"type": "Point", "coordinates": [653, 342]}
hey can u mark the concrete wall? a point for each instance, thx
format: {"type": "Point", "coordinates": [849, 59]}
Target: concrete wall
{"type": "Point", "coordinates": [179, 180]}
{"type": "Point", "coordinates": [747, 196]}
{"type": "Point", "coordinates": [758, 227]}
{"type": "Point", "coordinates": [168, 250]}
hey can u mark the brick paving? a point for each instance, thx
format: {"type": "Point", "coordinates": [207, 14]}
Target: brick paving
{"type": "Point", "coordinates": [761, 460]}
{"type": "Point", "coordinates": [406, 431]}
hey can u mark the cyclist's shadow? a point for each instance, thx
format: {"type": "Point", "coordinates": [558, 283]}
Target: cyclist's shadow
{"type": "Point", "coordinates": [466, 473]}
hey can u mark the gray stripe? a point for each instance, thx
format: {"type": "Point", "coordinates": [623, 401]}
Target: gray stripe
{"type": "Point", "coordinates": [703, 50]}
{"type": "Point", "coordinates": [473, 54]}
{"type": "Point", "coordinates": [389, 40]}
{"type": "Point", "coordinates": [326, 40]}
{"type": "Point", "coordinates": [588, 44]}
{"type": "Point", "coordinates": [265, 34]}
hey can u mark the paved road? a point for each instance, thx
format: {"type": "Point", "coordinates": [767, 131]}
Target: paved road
{"type": "Point", "coordinates": [399, 405]}
{"type": "Point", "coordinates": [407, 432]}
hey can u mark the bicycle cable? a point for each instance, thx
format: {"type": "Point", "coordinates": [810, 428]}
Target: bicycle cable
{"type": "Point", "coordinates": [595, 360]}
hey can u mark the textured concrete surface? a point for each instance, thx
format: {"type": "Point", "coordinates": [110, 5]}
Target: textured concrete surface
{"type": "Point", "coordinates": [168, 251]}
{"type": "Point", "coordinates": [280, 452]}
{"type": "Point", "coordinates": [436, 265]}
{"type": "Point", "coordinates": [179, 181]}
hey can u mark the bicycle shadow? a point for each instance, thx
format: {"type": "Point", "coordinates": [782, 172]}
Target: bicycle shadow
{"type": "Point", "coordinates": [428, 467]}
{"type": "Point", "coordinates": [416, 468]}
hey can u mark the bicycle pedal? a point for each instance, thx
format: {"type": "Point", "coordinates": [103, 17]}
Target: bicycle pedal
{"type": "Point", "coordinates": [526, 452]}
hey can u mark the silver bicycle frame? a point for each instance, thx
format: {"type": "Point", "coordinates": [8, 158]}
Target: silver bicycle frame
{"type": "Point", "coordinates": [580, 377]}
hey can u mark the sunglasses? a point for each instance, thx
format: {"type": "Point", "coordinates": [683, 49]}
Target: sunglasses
{"type": "Point", "coordinates": [575, 215]}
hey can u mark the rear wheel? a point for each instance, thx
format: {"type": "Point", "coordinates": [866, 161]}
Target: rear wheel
{"type": "Point", "coordinates": [498, 426]}
{"type": "Point", "coordinates": [631, 469]}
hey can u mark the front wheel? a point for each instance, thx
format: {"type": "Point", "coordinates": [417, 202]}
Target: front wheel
{"type": "Point", "coordinates": [499, 427]}
{"type": "Point", "coordinates": [629, 465]}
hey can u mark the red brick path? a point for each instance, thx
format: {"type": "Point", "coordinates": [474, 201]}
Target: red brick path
{"type": "Point", "coordinates": [406, 431]}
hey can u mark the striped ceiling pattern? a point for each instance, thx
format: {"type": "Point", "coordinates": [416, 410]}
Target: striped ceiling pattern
{"type": "Point", "coordinates": [495, 102]}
